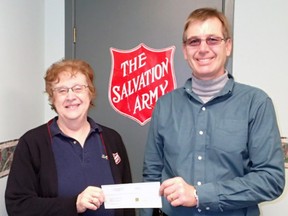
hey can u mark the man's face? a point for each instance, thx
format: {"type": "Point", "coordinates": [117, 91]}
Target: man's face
{"type": "Point", "coordinates": [207, 61]}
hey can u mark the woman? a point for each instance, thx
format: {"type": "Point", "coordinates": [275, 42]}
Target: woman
{"type": "Point", "coordinates": [59, 167]}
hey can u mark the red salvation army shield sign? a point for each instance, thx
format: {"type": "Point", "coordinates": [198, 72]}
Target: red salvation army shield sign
{"type": "Point", "coordinates": [138, 78]}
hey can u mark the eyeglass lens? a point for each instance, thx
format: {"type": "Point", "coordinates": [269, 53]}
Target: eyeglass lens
{"type": "Point", "coordinates": [211, 41]}
{"type": "Point", "coordinates": [76, 89]}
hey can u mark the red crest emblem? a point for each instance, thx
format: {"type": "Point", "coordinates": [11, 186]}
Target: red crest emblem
{"type": "Point", "coordinates": [116, 157]}
{"type": "Point", "coordinates": [138, 78]}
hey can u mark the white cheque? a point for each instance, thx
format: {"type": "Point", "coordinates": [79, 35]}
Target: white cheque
{"type": "Point", "coordinates": [133, 195]}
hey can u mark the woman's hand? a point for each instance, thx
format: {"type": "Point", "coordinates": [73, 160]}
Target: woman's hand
{"type": "Point", "coordinates": [91, 198]}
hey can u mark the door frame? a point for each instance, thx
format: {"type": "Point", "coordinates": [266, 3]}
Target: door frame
{"type": "Point", "coordinates": [71, 34]}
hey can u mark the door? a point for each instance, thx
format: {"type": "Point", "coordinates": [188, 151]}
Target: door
{"type": "Point", "coordinates": [124, 24]}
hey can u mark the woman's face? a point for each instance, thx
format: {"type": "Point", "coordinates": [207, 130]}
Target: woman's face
{"type": "Point", "coordinates": [71, 97]}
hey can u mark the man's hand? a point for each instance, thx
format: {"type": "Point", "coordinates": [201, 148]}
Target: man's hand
{"type": "Point", "coordinates": [178, 192]}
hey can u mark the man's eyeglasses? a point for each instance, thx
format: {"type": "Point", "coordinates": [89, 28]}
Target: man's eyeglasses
{"type": "Point", "coordinates": [211, 41]}
{"type": "Point", "coordinates": [77, 89]}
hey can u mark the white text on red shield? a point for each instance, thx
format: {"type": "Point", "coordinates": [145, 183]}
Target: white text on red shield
{"type": "Point", "coordinates": [141, 81]}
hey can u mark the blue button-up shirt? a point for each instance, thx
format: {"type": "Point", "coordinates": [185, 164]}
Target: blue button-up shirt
{"type": "Point", "coordinates": [228, 148]}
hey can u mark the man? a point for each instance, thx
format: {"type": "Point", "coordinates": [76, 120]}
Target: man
{"type": "Point", "coordinates": [214, 144]}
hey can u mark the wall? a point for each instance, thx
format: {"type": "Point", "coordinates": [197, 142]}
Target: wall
{"type": "Point", "coordinates": [32, 37]}
{"type": "Point", "coordinates": [260, 58]}
{"type": "Point", "coordinates": [54, 41]}
{"type": "Point", "coordinates": [22, 61]}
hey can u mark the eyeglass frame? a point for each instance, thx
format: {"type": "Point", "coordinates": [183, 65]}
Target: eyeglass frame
{"type": "Point", "coordinates": [208, 40]}
{"type": "Point", "coordinates": [73, 88]}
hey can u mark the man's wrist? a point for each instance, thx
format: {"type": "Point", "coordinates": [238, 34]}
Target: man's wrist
{"type": "Point", "coordinates": [196, 198]}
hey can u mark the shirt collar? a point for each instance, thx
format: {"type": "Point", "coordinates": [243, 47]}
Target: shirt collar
{"type": "Point", "coordinates": [55, 130]}
{"type": "Point", "coordinates": [228, 88]}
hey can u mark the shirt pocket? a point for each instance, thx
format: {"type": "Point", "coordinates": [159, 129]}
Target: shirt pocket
{"type": "Point", "coordinates": [230, 135]}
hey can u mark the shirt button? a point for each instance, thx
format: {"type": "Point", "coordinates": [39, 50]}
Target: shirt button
{"type": "Point", "coordinates": [207, 208]}
{"type": "Point", "coordinates": [201, 132]}
{"type": "Point", "coordinates": [199, 157]}
{"type": "Point", "coordinates": [199, 183]}
{"type": "Point", "coordinates": [203, 108]}
{"type": "Point", "coordinates": [199, 210]}
{"type": "Point", "coordinates": [74, 142]}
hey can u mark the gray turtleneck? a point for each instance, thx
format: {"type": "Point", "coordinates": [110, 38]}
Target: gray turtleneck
{"type": "Point", "coordinates": [206, 89]}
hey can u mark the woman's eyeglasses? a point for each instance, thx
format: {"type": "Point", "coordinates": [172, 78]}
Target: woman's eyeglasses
{"type": "Point", "coordinates": [77, 89]}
